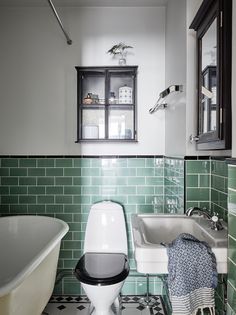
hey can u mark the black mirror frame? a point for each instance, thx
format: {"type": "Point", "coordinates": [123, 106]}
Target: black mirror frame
{"type": "Point", "coordinates": [208, 11]}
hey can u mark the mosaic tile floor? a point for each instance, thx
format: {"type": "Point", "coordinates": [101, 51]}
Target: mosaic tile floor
{"type": "Point", "coordinates": [79, 305]}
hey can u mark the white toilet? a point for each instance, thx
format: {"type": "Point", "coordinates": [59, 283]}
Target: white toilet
{"type": "Point", "coordinates": [104, 266]}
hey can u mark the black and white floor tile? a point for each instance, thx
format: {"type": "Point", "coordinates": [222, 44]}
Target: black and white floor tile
{"type": "Point", "coordinates": [79, 305]}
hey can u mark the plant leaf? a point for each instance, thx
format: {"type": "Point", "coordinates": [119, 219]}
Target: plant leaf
{"type": "Point", "coordinates": [116, 49]}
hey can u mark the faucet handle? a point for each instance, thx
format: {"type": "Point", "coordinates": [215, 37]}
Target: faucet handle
{"type": "Point", "coordinates": [215, 218]}
{"type": "Point", "coordinates": [215, 222]}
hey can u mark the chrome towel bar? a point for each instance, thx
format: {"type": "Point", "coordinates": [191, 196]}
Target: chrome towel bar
{"type": "Point", "coordinates": [159, 103]}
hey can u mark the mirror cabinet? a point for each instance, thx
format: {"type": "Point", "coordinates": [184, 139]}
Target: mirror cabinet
{"type": "Point", "coordinates": [213, 23]}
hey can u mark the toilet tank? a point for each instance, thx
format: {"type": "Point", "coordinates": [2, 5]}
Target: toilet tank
{"type": "Point", "coordinates": [106, 229]}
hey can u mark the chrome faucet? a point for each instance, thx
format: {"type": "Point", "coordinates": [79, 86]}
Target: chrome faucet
{"type": "Point", "coordinates": [199, 211]}
{"type": "Point", "coordinates": [215, 222]}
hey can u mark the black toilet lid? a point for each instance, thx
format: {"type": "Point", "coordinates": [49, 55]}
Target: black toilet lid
{"type": "Point", "coordinates": [102, 268]}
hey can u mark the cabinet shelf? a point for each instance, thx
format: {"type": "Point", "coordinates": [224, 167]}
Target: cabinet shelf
{"type": "Point", "coordinates": [106, 140]}
{"type": "Point", "coordinates": [111, 120]}
{"type": "Point", "coordinates": [92, 106]}
{"type": "Point", "coordinates": [121, 106]}
{"type": "Point", "coordinates": [113, 106]}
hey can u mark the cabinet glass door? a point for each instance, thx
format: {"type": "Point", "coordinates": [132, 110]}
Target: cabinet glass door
{"type": "Point", "coordinates": [208, 104]}
{"type": "Point", "coordinates": [121, 124]}
{"type": "Point", "coordinates": [92, 88]}
{"type": "Point", "coordinates": [121, 88]}
{"type": "Point", "coordinates": [93, 124]}
{"type": "Point", "coordinates": [121, 104]}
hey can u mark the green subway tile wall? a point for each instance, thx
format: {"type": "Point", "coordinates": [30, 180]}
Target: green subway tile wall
{"type": "Point", "coordinates": [66, 188]}
{"type": "Point", "coordinates": [219, 188]}
{"type": "Point", "coordinates": [231, 307]}
{"type": "Point", "coordinates": [206, 185]}
{"type": "Point", "coordinates": [173, 185]}
{"type": "Point", "coordinates": [197, 183]}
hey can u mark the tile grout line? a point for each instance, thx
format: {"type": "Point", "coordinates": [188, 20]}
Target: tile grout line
{"type": "Point", "coordinates": [234, 239]}
{"type": "Point", "coordinates": [232, 285]}
{"type": "Point", "coordinates": [234, 263]}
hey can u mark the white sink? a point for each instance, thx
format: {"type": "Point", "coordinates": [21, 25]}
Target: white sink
{"type": "Point", "coordinates": [150, 230]}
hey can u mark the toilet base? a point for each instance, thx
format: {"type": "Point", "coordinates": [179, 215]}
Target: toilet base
{"type": "Point", "coordinates": [104, 299]}
{"type": "Point", "coordinates": [100, 312]}
{"type": "Point", "coordinates": [114, 310]}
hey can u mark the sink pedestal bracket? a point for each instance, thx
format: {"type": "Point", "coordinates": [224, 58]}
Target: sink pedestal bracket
{"type": "Point", "coordinates": [147, 300]}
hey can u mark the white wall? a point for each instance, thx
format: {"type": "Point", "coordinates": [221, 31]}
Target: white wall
{"type": "Point", "coordinates": [38, 79]}
{"type": "Point", "coordinates": [175, 74]}
{"type": "Point", "coordinates": [191, 79]}
{"type": "Point", "coordinates": [234, 83]}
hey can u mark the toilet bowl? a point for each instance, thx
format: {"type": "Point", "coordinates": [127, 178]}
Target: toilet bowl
{"type": "Point", "coordinates": [104, 266]}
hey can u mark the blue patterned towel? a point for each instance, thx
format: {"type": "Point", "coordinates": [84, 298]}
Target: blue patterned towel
{"type": "Point", "coordinates": [192, 275]}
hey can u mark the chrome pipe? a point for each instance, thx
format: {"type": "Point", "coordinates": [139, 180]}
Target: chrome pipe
{"type": "Point", "coordinates": [69, 41]}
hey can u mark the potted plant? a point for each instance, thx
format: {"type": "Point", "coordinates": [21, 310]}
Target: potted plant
{"type": "Point", "coordinates": [120, 49]}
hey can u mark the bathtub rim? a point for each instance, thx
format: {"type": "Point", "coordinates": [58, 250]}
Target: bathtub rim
{"type": "Point", "coordinates": [30, 267]}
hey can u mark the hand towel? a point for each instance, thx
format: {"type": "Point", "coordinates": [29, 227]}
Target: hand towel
{"type": "Point", "coordinates": [192, 275]}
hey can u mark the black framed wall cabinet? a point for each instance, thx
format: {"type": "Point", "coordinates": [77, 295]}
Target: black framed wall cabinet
{"type": "Point", "coordinates": [213, 24]}
{"type": "Point", "coordinates": [107, 104]}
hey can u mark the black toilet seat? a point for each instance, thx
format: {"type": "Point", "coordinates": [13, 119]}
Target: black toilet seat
{"type": "Point", "coordinates": [102, 268]}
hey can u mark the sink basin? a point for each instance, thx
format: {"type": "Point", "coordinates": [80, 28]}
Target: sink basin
{"type": "Point", "coordinates": [150, 230]}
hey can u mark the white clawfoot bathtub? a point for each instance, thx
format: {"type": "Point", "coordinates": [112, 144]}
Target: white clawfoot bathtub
{"type": "Point", "coordinates": [29, 250]}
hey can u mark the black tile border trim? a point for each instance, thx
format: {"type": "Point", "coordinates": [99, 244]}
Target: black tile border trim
{"type": "Point", "coordinates": [202, 157]}
{"type": "Point", "coordinates": [174, 157]}
{"type": "Point", "coordinates": [231, 161]}
{"type": "Point", "coordinates": [220, 158]}
{"type": "Point", "coordinates": [197, 157]}
{"type": "Point", "coordinates": [79, 156]}
{"type": "Point", "coordinates": [128, 298]}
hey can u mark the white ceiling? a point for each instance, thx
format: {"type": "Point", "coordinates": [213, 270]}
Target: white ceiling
{"type": "Point", "coordinates": [86, 3]}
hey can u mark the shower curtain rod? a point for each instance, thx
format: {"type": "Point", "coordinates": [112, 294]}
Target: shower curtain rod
{"type": "Point", "coordinates": [69, 41]}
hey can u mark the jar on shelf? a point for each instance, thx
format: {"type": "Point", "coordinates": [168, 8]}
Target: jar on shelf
{"type": "Point", "coordinates": [88, 99]}
{"type": "Point", "coordinates": [125, 95]}
{"type": "Point", "coordinates": [112, 98]}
